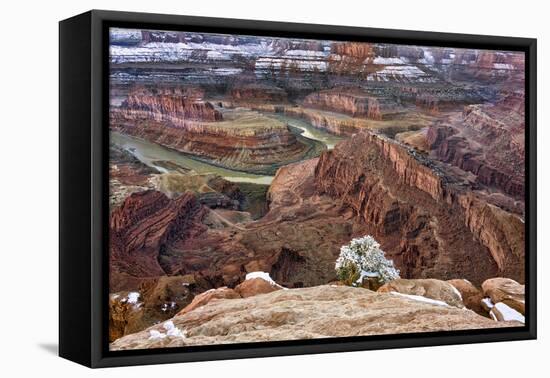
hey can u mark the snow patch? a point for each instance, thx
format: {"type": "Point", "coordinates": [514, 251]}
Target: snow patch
{"type": "Point", "coordinates": [264, 276]}
{"type": "Point", "coordinates": [503, 66]}
{"type": "Point", "coordinates": [401, 71]}
{"type": "Point", "coordinates": [168, 325]}
{"type": "Point", "coordinates": [184, 51]}
{"type": "Point", "coordinates": [166, 306]}
{"type": "Point", "coordinates": [171, 331]}
{"type": "Point", "coordinates": [226, 71]}
{"type": "Point", "coordinates": [428, 57]}
{"type": "Point", "coordinates": [284, 63]}
{"type": "Point", "coordinates": [508, 313]}
{"type": "Point", "coordinates": [488, 302]}
{"type": "Point", "coordinates": [306, 53]}
{"type": "Point", "coordinates": [381, 60]}
{"type": "Point", "coordinates": [133, 297]}
{"type": "Point", "coordinates": [365, 274]}
{"type": "Point", "coordinates": [420, 298]}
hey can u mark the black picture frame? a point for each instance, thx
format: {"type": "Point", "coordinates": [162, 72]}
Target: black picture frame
{"type": "Point", "coordinates": [83, 181]}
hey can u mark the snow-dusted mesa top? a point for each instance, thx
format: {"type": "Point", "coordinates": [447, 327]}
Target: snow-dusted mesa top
{"type": "Point", "coordinates": [382, 60]}
{"type": "Point", "coordinates": [264, 276]}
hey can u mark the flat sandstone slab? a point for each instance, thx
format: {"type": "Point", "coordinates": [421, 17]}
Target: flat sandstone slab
{"type": "Point", "coordinates": [315, 312]}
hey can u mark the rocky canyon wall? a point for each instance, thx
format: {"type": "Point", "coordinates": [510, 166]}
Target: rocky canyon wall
{"type": "Point", "coordinates": [424, 218]}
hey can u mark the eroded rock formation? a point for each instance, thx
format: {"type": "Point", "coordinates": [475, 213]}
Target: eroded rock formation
{"type": "Point", "coordinates": [426, 220]}
{"type": "Point", "coordinates": [353, 102]}
{"type": "Point", "coordinates": [142, 228]}
{"type": "Point", "coordinates": [488, 141]}
{"type": "Point", "coordinates": [238, 139]}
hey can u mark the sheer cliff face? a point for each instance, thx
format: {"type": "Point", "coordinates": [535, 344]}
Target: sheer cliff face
{"type": "Point", "coordinates": [488, 141]}
{"type": "Point", "coordinates": [171, 107]}
{"type": "Point", "coordinates": [426, 220]}
{"type": "Point", "coordinates": [144, 225]}
{"type": "Point", "coordinates": [354, 103]}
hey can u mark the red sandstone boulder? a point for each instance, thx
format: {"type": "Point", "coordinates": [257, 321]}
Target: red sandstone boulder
{"type": "Point", "coordinates": [471, 295]}
{"type": "Point", "coordinates": [429, 288]}
{"type": "Point", "coordinates": [507, 291]}
{"type": "Point", "coordinates": [207, 296]}
{"type": "Point", "coordinates": [255, 286]}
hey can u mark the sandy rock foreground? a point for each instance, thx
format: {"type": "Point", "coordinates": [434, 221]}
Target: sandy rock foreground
{"type": "Point", "coordinates": [315, 312]}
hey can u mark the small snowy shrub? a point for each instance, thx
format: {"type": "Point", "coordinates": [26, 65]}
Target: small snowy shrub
{"type": "Point", "coordinates": [362, 257]}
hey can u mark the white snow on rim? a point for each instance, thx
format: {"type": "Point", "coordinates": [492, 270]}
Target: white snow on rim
{"type": "Point", "coordinates": [366, 274]}
{"type": "Point", "coordinates": [488, 302]}
{"type": "Point", "coordinates": [264, 276]}
{"type": "Point", "coordinates": [171, 330]}
{"type": "Point", "coordinates": [156, 335]}
{"type": "Point", "coordinates": [508, 313]}
{"type": "Point", "coordinates": [382, 60]}
{"type": "Point", "coordinates": [133, 297]}
{"type": "Point", "coordinates": [420, 298]}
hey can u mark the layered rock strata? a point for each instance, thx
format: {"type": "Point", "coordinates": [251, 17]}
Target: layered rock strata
{"type": "Point", "coordinates": [488, 141]}
{"type": "Point", "coordinates": [356, 103]}
{"type": "Point", "coordinates": [241, 140]}
{"type": "Point", "coordinates": [427, 221]}
{"type": "Point", "coordinates": [259, 93]}
{"type": "Point", "coordinates": [143, 226]}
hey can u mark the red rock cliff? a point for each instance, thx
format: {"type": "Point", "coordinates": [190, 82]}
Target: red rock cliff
{"type": "Point", "coordinates": [142, 227]}
{"type": "Point", "coordinates": [353, 103]}
{"type": "Point", "coordinates": [421, 217]}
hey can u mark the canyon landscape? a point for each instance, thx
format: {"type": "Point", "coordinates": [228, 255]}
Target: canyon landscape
{"type": "Point", "coordinates": [244, 169]}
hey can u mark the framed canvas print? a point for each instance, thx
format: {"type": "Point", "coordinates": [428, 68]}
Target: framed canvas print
{"type": "Point", "coordinates": [233, 188]}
